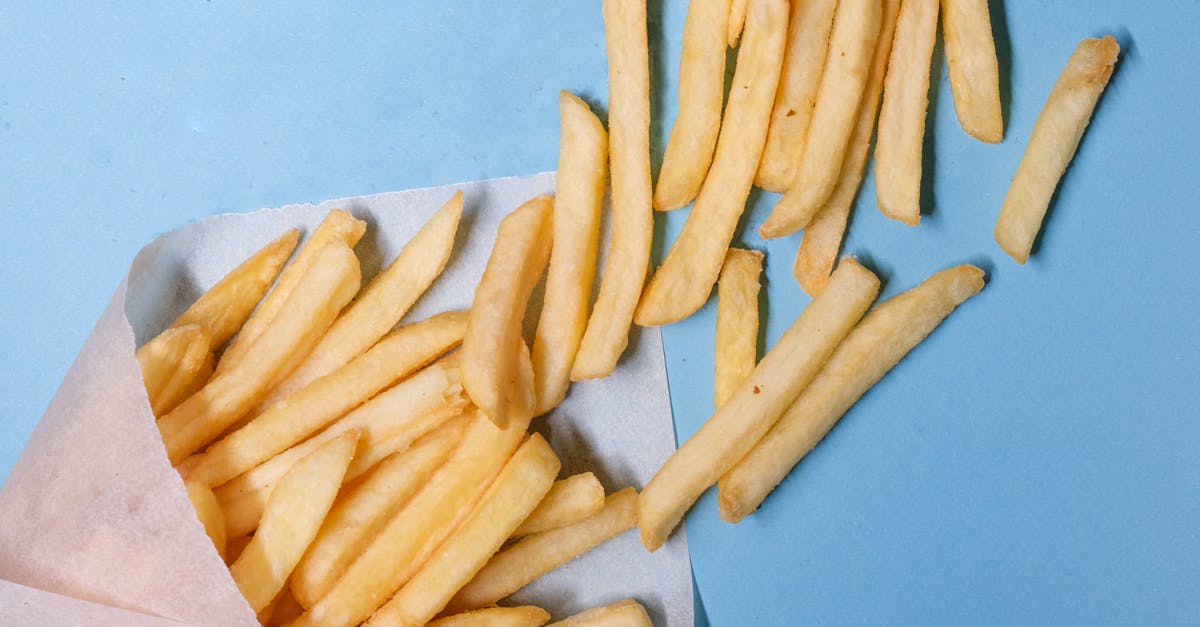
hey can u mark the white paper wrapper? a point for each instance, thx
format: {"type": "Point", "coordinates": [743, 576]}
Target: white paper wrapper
{"type": "Point", "coordinates": [95, 526]}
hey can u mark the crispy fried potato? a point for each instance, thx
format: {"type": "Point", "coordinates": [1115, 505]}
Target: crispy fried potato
{"type": "Point", "coordinates": [209, 513]}
{"type": "Point", "coordinates": [737, 20]}
{"type": "Point", "coordinates": [627, 613]}
{"type": "Point", "coordinates": [175, 364]}
{"type": "Point", "coordinates": [736, 351]}
{"type": "Point", "coordinates": [568, 502]}
{"type": "Point", "coordinates": [520, 616]}
{"type": "Point", "coordinates": [974, 71]}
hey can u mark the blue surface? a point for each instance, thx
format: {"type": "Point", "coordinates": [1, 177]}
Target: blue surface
{"type": "Point", "coordinates": [1034, 462]}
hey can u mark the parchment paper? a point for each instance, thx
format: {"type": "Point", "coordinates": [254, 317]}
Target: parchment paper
{"type": "Point", "coordinates": [93, 512]}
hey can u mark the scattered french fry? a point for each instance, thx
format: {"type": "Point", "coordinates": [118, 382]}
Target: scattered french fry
{"type": "Point", "coordinates": [736, 351]}
{"type": "Point", "coordinates": [209, 513]}
{"type": "Point", "coordinates": [175, 364]}
{"type": "Point", "coordinates": [877, 344]}
{"type": "Point", "coordinates": [568, 502]}
{"type": "Point", "coordinates": [1056, 136]}
{"type": "Point", "coordinates": [974, 71]}
{"type": "Point", "coordinates": [627, 613]}
{"type": "Point", "coordinates": [520, 616]}
{"type": "Point", "coordinates": [685, 279]}
{"type": "Point", "coordinates": [737, 20]}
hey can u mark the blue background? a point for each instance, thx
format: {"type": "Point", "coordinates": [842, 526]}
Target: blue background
{"type": "Point", "coordinates": [1035, 461]}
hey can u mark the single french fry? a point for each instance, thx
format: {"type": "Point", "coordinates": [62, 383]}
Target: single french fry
{"type": "Point", "coordinates": [607, 332]}
{"type": "Point", "coordinates": [736, 351]}
{"type": "Point", "coordinates": [522, 482]}
{"type": "Point", "coordinates": [1056, 136]}
{"type": "Point", "coordinates": [383, 302]}
{"type": "Point", "coordinates": [685, 279]}
{"type": "Point", "coordinates": [330, 397]}
{"type": "Point", "coordinates": [737, 20]}
{"type": "Point", "coordinates": [627, 613]}
{"type": "Point", "coordinates": [568, 502]}
{"type": "Point", "coordinates": [741, 422]}
{"type": "Point", "coordinates": [822, 237]}
{"type": "Point", "coordinates": [898, 148]}
{"type": "Point", "coordinates": [337, 225]}
{"type": "Point", "coordinates": [293, 515]}
{"type": "Point", "coordinates": [851, 44]}
{"type": "Point", "coordinates": [312, 307]}
{"type": "Point", "coordinates": [807, 44]}
{"type": "Point", "coordinates": [362, 509]}
{"type": "Point", "coordinates": [520, 616]}
{"type": "Point", "coordinates": [877, 344]}
{"type": "Point", "coordinates": [974, 71]}
{"type": "Point", "coordinates": [209, 513]}
{"type": "Point", "coordinates": [535, 555]}
{"type": "Point", "coordinates": [700, 94]}
{"type": "Point", "coordinates": [174, 366]}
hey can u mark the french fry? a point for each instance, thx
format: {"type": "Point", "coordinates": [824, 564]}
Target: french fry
{"type": "Point", "coordinates": [522, 482]}
{"type": "Point", "coordinates": [420, 528]}
{"type": "Point", "coordinates": [337, 225]}
{"type": "Point", "coordinates": [607, 332]}
{"type": "Point", "coordinates": [330, 397]}
{"type": "Point", "coordinates": [974, 71]}
{"type": "Point", "coordinates": [851, 44]}
{"type": "Point", "coordinates": [312, 307]}
{"type": "Point", "coordinates": [877, 344]}
{"type": "Point", "coordinates": [568, 502]}
{"type": "Point", "coordinates": [822, 237]}
{"type": "Point", "coordinates": [700, 94]}
{"type": "Point", "coordinates": [1056, 136]}
{"type": "Point", "coordinates": [685, 279]}
{"type": "Point", "coordinates": [898, 148]}
{"type": "Point", "coordinates": [209, 513]}
{"type": "Point", "coordinates": [803, 62]}
{"type": "Point", "coordinates": [579, 191]}
{"type": "Point", "coordinates": [293, 515]}
{"type": "Point", "coordinates": [742, 421]}
{"type": "Point", "coordinates": [520, 616]}
{"type": "Point", "coordinates": [175, 364]}
{"type": "Point", "coordinates": [518, 258]}
{"type": "Point", "coordinates": [627, 613]}
{"type": "Point", "coordinates": [737, 20]}
{"type": "Point", "coordinates": [736, 351]}
{"type": "Point", "coordinates": [362, 509]}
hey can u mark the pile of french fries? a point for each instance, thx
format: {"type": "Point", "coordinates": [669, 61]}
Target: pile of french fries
{"type": "Point", "coordinates": [350, 470]}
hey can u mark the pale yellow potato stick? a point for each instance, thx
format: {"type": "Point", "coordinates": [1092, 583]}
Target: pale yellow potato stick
{"type": "Point", "coordinates": [974, 72]}
{"type": "Point", "coordinates": [737, 20]}
{"type": "Point", "coordinates": [225, 306]}
{"type": "Point", "coordinates": [518, 487]}
{"type": "Point", "coordinates": [685, 279]}
{"type": "Point", "coordinates": [627, 613]}
{"type": "Point", "coordinates": [337, 225]}
{"type": "Point", "coordinates": [1056, 136]}
{"type": "Point", "coordinates": [568, 502]}
{"type": "Point", "coordinates": [736, 351]}
{"type": "Point", "coordinates": [312, 307]}
{"type": "Point", "coordinates": [173, 363]}
{"type": "Point", "coordinates": [898, 147]}
{"type": "Point", "coordinates": [877, 344]}
{"type": "Point", "coordinates": [209, 513]}
{"type": "Point", "coordinates": [822, 237]}
{"type": "Point", "coordinates": [362, 509]}
{"type": "Point", "coordinates": [382, 304]}
{"type": "Point", "coordinates": [700, 94]}
{"type": "Point", "coordinates": [520, 616]}
{"type": "Point", "coordinates": [293, 515]}
{"type": "Point", "coordinates": [803, 63]}
{"type": "Point", "coordinates": [851, 44]}
{"type": "Point", "coordinates": [328, 398]}
{"type": "Point", "coordinates": [607, 332]}
{"type": "Point", "coordinates": [737, 425]}
{"type": "Point", "coordinates": [535, 555]}
{"type": "Point", "coordinates": [578, 193]}
{"type": "Point", "coordinates": [188, 380]}
{"type": "Point", "coordinates": [514, 268]}
{"type": "Point", "coordinates": [412, 535]}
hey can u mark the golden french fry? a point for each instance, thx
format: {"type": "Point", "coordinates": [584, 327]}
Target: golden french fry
{"type": "Point", "coordinates": [362, 509]}
{"type": "Point", "coordinates": [1056, 136]}
{"type": "Point", "coordinates": [209, 513]}
{"type": "Point", "coordinates": [627, 613]}
{"type": "Point", "coordinates": [685, 279]}
{"type": "Point", "coordinates": [803, 62]}
{"type": "Point", "coordinates": [851, 44]}
{"type": "Point", "coordinates": [568, 502]}
{"type": "Point", "coordinates": [974, 72]}
{"type": "Point", "coordinates": [607, 332]}
{"type": "Point", "coordinates": [312, 307]}
{"type": "Point", "coordinates": [741, 422]}
{"type": "Point", "coordinates": [898, 148]}
{"type": "Point", "coordinates": [522, 482]}
{"type": "Point", "coordinates": [337, 225]}
{"type": "Point", "coordinates": [535, 555]}
{"type": "Point", "coordinates": [293, 515]}
{"type": "Point", "coordinates": [823, 236]}
{"type": "Point", "coordinates": [736, 351]}
{"type": "Point", "coordinates": [700, 94]}
{"type": "Point", "coordinates": [328, 398]}
{"type": "Point", "coordinates": [737, 20]}
{"type": "Point", "coordinates": [877, 344]}
{"type": "Point", "coordinates": [520, 616]}
{"type": "Point", "coordinates": [382, 303]}
{"type": "Point", "coordinates": [174, 365]}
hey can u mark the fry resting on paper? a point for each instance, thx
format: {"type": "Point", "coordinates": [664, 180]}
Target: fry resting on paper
{"type": "Point", "coordinates": [627, 613]}
{"type": "Point", "coordinates": [175, 364]}
{"type": "Point", "coordinates": [736, 351]}
{"type": "Point", "coordinates": [520, 616]}
{"type": "Point", "coordinates": [974, 71]}
{"type": "Point", "coordinates": [568, 502]}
